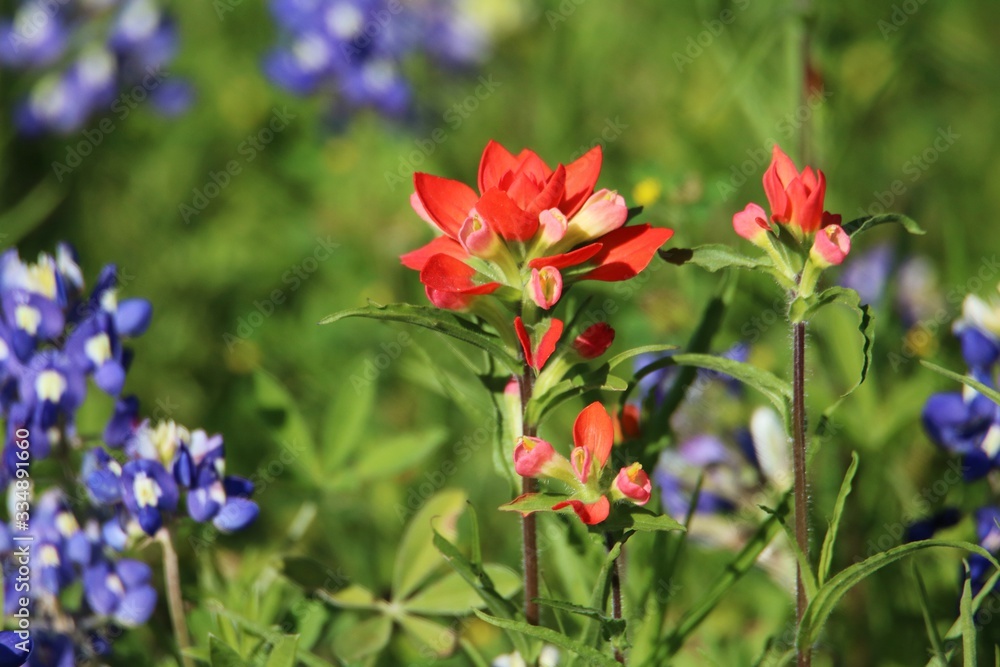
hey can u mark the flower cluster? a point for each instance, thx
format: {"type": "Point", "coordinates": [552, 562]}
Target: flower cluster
{"type": "Point", "coordinates": [54, 340]}
{"type": "Point", "coordinates": [967, 424]}
{"type": "Point", "coordinates": [78, 56]}
{"type": "Point", "coordinates": [356, 48]}
{"type": "Point", "coordinates": [807, 239]}
{"type": "Point", "coordinates": [585, 472]}
{"type": "Point", "coordinates": [527, 235]}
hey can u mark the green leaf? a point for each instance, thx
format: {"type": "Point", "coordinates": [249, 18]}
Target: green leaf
{"type": "Point", "coordinates": [534, 502]}
{"type": "Point", "coordinates": [590, 635]}
{"type": "Point", "coordinates": [307, 572]}
{"type": "Point", "coordinates": [860, 225]}
{"type": "Point", "coordinates": [714, 257]}
{"type": "Point", "coordinates": [430, 635]}
{"type": "Point", "coordinates": [932, 632]}
{"type": "Point", "coordinates": [417, 557]}
{"type": "Point", "coordinates": [827, 598]}
{"type": "Point", "coordinates": [363, 639]}
{"type": "Point", "coordinates": [622, 357]}
{"type": "Point", "coordinates": [386, 457]}
{"type": "Point", "coordinates": [29, 212]}
{"type": "Point", "coordinates": [480, 582]}
{"type": "Point", "coordinates": [610, 627]}
{"type": "Point", "coordinates": [435, 320]}
{"type": "Point", "coordinates": [286, 422]}
{"type": "Point", "coordinates": [968, 620]}
{"type": "Point", "coordinates": [989, 393]}
{"type": "Point", "coordinates": [223, 655]}
{"type": "Point", "coordinates": [801, 311]}
{"type": "Point", "coordinates": [354, 596]}
{"type": "Point", "coordinates": [347, 414]}
{"type": "Point", "coordinates": [283, 653]}
{"type": "Point", "coordinates": [592, 656]}
{"type": "Point", "coordinates": [955, 631]}
{"type": "Point", "coordinates": [452, 596]}
{"type": "Point", "coordinates": [632, 517]}
{"type": "Point", "coordinates": [826, 553]}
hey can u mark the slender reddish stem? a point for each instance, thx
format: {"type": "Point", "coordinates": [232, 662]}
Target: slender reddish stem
{"type": "Point", "coordinates": [799, 465]}
{"type": "Point", "coordinates": [529, 526]}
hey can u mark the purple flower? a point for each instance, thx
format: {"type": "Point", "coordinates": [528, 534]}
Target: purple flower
{"type": "Point", "coordinates": [14, 649]}
{"type": "Point", "coordinates": [148, 491]}
{"type": "Point", "coordinates": [120, 590]}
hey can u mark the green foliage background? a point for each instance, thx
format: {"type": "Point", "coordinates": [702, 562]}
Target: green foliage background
{"type": "Point", "coordinates": [896, 76]}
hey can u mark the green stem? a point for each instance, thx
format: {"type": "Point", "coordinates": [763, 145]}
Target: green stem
{"type": "Point", "coordinates": [529, 529]}
{"type": "Point", "coordinates": [172, 581]}
{"type": "Point", "coordinates": [616, 588]}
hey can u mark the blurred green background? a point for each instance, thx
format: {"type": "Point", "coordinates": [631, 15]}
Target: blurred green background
{"type": "Point", "coordinates": [316, 221]}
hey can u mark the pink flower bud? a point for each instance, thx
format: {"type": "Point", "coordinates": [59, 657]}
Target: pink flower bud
{"type": "Point", "coordinates": [546, 286]}
{"type": "Point", "coordinates": [477, 237]}
{"type": "Point", "coordinates": [633, 483]}
{"type": "Point", "coordinates": [531, 456]}
{"type": "Point", "coordinates": [594, 341]}
{"type": "Point", "coordinates": [751, 223]}
{"type": "Point", "coordinates": [604, 212]}
{"type": "Point", "coordinates": [551, 227]}
{"type": "Point", "coordinates": [830, 246]}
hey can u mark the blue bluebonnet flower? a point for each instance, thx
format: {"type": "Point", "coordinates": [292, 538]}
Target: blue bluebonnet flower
{"type": "Point", "coordinates": [120, 590]}
{"type": "Point", "coordinates": [148, 491]}
{"type": "Point", "coordinates": [76, 57]}
{"type": "Point", "coordinates": [356, 48]}
{"type": "Point", "coordinates": [965, 422]}
{"type": "Point", "coordinates": [11, 649]}
{"type": "Point", "coordinates": [868, 273]}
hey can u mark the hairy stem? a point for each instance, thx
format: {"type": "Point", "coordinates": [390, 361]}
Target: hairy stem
{"type": "Point", "coordinates": [616, 588]}
{"type": "Point", "coordinates": [799, 465]}
{"type": "Point", "coordinates": [172, 580]}
{"type": "Point", "coordinates": [529, 529]}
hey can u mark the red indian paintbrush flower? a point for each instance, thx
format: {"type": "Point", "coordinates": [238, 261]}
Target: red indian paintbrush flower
{"type": "Point", "coordinates": [529, 228]}
{"type": "Point", "coordinates": [796, 200]}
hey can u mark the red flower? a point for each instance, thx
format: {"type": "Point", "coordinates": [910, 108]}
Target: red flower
{"type": "Point", "coordinates": [589, 513]}
{"type": "Point", "coordinates": [526, 215]}
{"type": "Point", "coordinates": [796, 199]}
{"type": "Point", "coordinates": [594, 341]}
{"type": "Point", "coordinates": [535, 355]}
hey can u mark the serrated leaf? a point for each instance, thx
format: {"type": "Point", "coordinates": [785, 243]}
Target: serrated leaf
{"type": "Point", "coordinates": [988, 392]}
{"type": "Point", "coordinates": [363, 639]}
{"type": "Point", "coordinates": [826, 553]}
{"type": "Point", "coordinates": [284, 651]}
{"type": "Point", "coordinates": [714, 257]}
{"type": "Point", "coordinates": [859, 225]}
{"type": "Point", "coordinates": [417, 557]}
{"type": "Point", "coordinates": [453, 596]}
{"type": "Point", "coordinates": [223, 655]}
{"type": "Point", "coordinates": [430, 635]}
{"type": "Point", "coordinates": [592, 656]}
{"type": "Point", "coordinates": [827, 597]}
{"type": "Point", "coordinates": [435, 320]}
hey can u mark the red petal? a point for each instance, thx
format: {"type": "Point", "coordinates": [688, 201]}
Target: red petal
{"type": "Point", "coordinates": [447, 202]}
{"type": "Point", "coordinates": [581, 177]}
{"type": "Point", "coordinates": [626, 252]}
{"type": "Point", "coordinates": [505, 217]}
{"type": "Point", "coordinates": [578, 256]}
{"type": "Point", "coordinates": [551, 194]}
{"type": "Point", "coordinates": [444, 273]}
{"type": "Point", "coordinates": [547, 345]}
{"type": "Point", "coordinates": [594, 430]}
{"type": "Point", "coordinates": [442, 245]}
{"type": "Point", "coordinates": [496, 162]}
{"type": "Point", "coordinates": [522, 335]}
{"type": "Point", "coordinates": [591, 514]}
{"type": "Point", "coordinates": [529, 162]}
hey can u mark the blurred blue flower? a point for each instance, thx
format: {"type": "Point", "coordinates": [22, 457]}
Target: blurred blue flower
{"type": "Point", "coordinates": [356, 49]}
{"type": "Point", "coordinates": [148, 492]}
{"type": "Point", "coordinates": [11, 645]}
{"type": "Point", "coordinates": [121, 590]}
{"type": "Point", "coordinates": [78, 58]}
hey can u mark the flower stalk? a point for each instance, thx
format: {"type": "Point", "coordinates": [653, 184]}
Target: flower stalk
{"type": "Point", "coordinates": [801, 489]}
{"type": "Point", "coordinates": [172, 583]}
{"type": "Point", "coordinates": [529, 522]}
